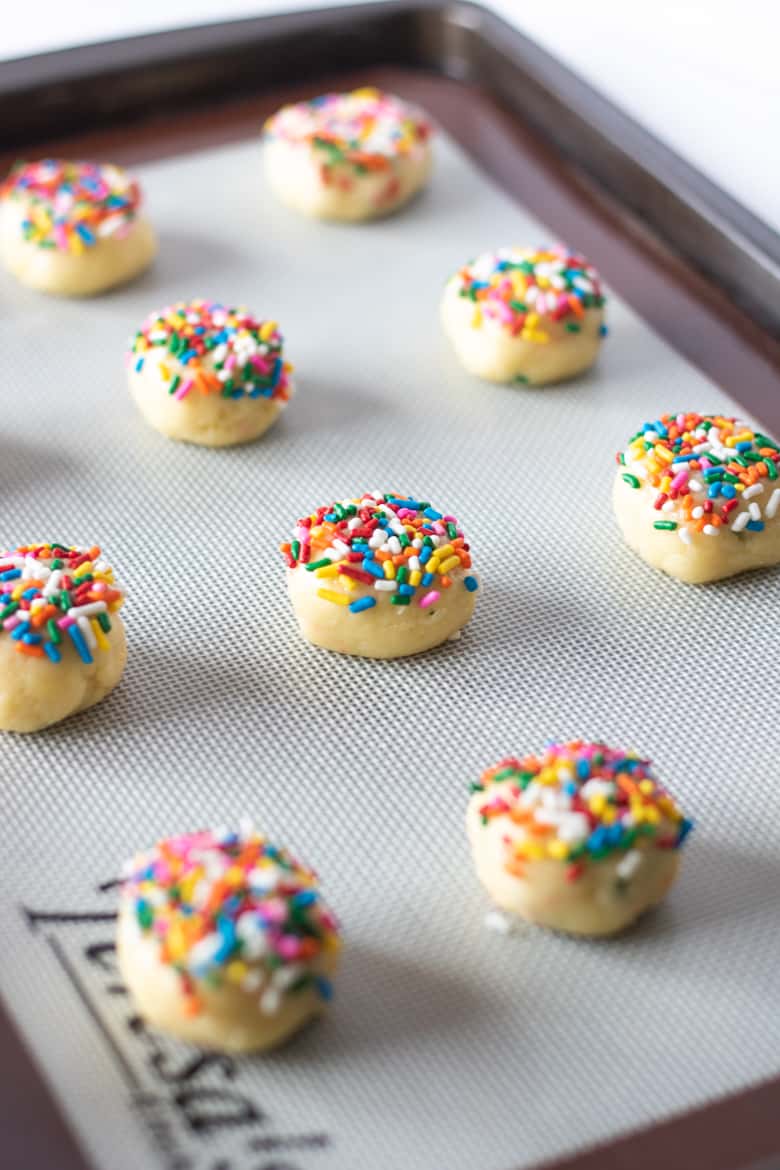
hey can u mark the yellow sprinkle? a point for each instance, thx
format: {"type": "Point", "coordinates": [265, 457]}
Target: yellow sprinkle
{"type": "Point", "coordinates": [332, 595]}
{"type": "Point", "coordinates": [597, 804]}
{"type": "Point", "coordinates": [164, 371]}
{"type": "Point", "coordinates": [558, 850]}
{"type": "Point", "coordinates": [666, 483]}
{"type": "Point", "coordinates": [267, 330]}
{"type": "Point", "coordinates": [609, 815]}
{"type": "Point", "coordinates": [732, 440]}
{"type": "Point", "coordinates": [663, 453]}
{"type": "Point", "coordinates": [476, 318]}
{"type": "Point", "coordinates": [415, 577]}
{"type": "Point", "coordinates": [234, 876]}
{"type": "Point", "coordinates": [433, 565]}
{"type": "Point", "coordinates": [389, 570]}
{"type": "Point", "coordinates": [82, 569]}
{"type": "Point", "coordinates": [100, 637]}
{"type": "Point", "coordinates": [236, 971]}
{"type": "Point", "coordinates": [348, 584]}
{"type": "Point", "coordinates": [444, 552]}
{"type": "Point", "coordinates": [532, 320]}
{"type": "Point", "coordinates": [547, 776]}
{"type": "Point", "coordinates": [327, 571]}
{"type": "Point", "coordinates": [450, 563]}
{"type": "Point", "coordinates": [366, 91]}
{"type": "Point", "coordinates": [646, 786]}
{"type": "Point", "coordinates": [535, 850]}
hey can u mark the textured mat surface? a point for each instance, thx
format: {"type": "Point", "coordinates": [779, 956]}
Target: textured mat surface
{"type": "Point", "coordinates": [448, 1045]}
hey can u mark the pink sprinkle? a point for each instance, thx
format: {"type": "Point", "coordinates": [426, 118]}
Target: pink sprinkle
{"type": "Point", "coordinates": [184, 389]}
{"type": "Point", "coordinates": [705, 462]}
{"type": "Point", "coordinates": [429, 599]}
{"type": "Point", "coordinates": [61, 236]}
{"type": "Point", "coordinates": [680, 480]}
{"type": "Point", "coordinates": [288, 946]}
{"type": "Point", "coordinates": [11, 623]}
{"type": "Point", "coordinates": [66, 622]}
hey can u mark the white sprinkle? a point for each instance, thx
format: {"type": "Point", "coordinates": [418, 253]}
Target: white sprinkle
{"type": "Point", "coordinates": [740, 522]}
{"type": "Point", "coordinates": [629, 865]}
{"type": "Point", "coordinates": [87, 632]}
{"type": "Point", "coordinates": [284, 977]}
{"type": "Point", "coordinates": [53, 584]}
{"type": "Point", "coordinates": [202, 954]}
{"type": "Point", "coordinates": [341, 547]}
{"type": "Point", "coordinates": [697, 512]}
{"type": "Point", "coordinates": [414, 564]}
{"type": "Point", "coordinates": [270, 1001]}
{"type": "Point", "coordinates": [573, 828]}
{"type": "Point", "coordinates": [710, 530]}
{"type": "Point", "coordinates": [754, 490]}
{"type": "Point", "coordinates": [774, 503]}
{"type": "Point", "coordinates": [669, 506]}
{"type": "Point", "coordinates": [754, 510]}
{"type": "Point", "coordinates": [695, 485]}
{"type": "Point", "coordinates": [377, 538]}
{"type": "Point", "coordinates": [684, 535]}
{"type": "Point", "coordinates": [89, 610]}
{"type": "Point", "coordinates": [394, 546]}
{"type": "Point", "coordinates": [597, 787]}
{"type": "Point", "coordinates": [495, 920]}
{"type": "Point", "coordinates": [386, 586]}
{"type": "Point", "coordinates": [251, 981]}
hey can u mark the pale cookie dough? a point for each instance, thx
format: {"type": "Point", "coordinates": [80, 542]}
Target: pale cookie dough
{"type": "Point", "coordinates": [348, 156]}
{"type": "Point", "coordinates": [73, 228]}
{"type": "Point", "coordinates": [224, 940]}
{"type": "Point", "coordinates": [582, 839]}
{"type": "Point", "coordinates": [380, 576]}
{"type": "Point", "coordinates": [62, 642]}
{"type": "Point", "coordinates": [525, 316]}
{"type": "Point", "coordinates": [203, 373]}
{"type": "Point", "coordinates": [698, 496]}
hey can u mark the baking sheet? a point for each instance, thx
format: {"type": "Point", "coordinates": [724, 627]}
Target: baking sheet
{"type": "Point", "coordinates": [448, 1045]}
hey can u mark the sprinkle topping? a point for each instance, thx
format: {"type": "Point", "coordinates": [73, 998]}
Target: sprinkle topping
{"type": "Point", "coordinates": [519, 288]}
{"type": "Point", "coordinates": [70, 206]}
{"type": "Point", "coordinates": [366, 128]}
{"type": "Point", "coordinates": [203, 346]}
{"type": "Point", "coordinates": [390, 544]}
{"type": "Point", "coordinates": [579, 802]}
{"type": "Point", "coordinates": [230, 908]}
{"type": "Point", "coordinates": [52, 591]}
{"type": "Point", "coordinates": [705, 473]}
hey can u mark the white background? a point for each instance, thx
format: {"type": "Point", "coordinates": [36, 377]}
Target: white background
{"type": "Point", "coordinates": [702, 74]}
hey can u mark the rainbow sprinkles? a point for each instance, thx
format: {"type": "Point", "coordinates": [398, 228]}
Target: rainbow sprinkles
{"type": "Point", "coordinates": [204, 347]}
{"type": "Point", "coordinates": [518, 288]}
{"type": "Point", "coordinates": [577, 803]}
{"type": "Point", "coordinates": [228, 908]}
{"type": "Point", "coordinates": [71, 206]}
{"type": "Point", "coordinates": [706, 474]}
{"type": "Point", "coordinates": [402, 548]}
{"type": "Point", "coordinates": [52, 592]}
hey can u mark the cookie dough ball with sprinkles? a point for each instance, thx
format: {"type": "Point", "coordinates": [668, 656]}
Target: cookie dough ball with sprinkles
{"type": "Point", "coordinates": [62, 642]}
{"type": "Point", "coordinates": [698, 496]}
{"type": "Point", "coordinates": [525, 316]}
{"type": "Point", "coordinates": [203, 373]}
{"type": "Point", "coordinates": [380, 576]}
{"type": "Point", "coordinates": [348, 156]}
{"type": "Point", "coordinates": [581, 838]}
{"type": "Point", "coordinates": [73, 228]}
{"type": "Point", "coordinates": [224, 940]}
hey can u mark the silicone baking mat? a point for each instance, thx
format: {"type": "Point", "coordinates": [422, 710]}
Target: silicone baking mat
{"type": "Point", "coordinates": [448, 1045]}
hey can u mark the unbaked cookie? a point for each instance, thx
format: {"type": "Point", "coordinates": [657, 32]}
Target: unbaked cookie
{"type": "Point", "coordinates": [348, 156]}
{"type": "Point", "coordinates": [62, 642]}
{"type": "Point", "coordinates": [73, 228]}
{"type": "Point", "coordinates": [224, 940]}
{"type": "Point", "coordinates": [698, 496]}
{"type": "Point", "coordinates": [525, 316]}
{"type": "Point", "coordinates": [581, 839]}
{"type": "Point", "coordinates": [380, 576]}
{"type": "Point", "coordinates": [207, 374]}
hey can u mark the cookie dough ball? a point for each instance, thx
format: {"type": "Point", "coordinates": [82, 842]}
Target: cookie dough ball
{"type": "Point", "coordinates": [348, 156]}
{"type": "Point", "coordinates": [206, 374]}
{"type": "Point", "coordinates": [581, 839]}
{"type": "Point", "coordinates": [525, 316]}
{"type": "Point", "coordinates": [380, 576]}
{"type": "Point", "coordinates": [62, 643]}
{"type": "Point", "coordinates": [698, 496]}
{"type": "Point", "coordinates": [73, 228]}
{"type": "Point", "coordinates": [224, 940]}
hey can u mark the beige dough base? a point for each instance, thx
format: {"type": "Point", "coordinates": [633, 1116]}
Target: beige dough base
{"type": "Point", "coordinates": [293, 174]}
{"type": "Point", "coordinates": [35, 692]}
{"type": "Point", "coordinates": [230, 1019]}
{"type": "Point", "coordinates": [706, 558]}
{"type": "Point", "coordinates": [109, 262]}
{"type": "Point", "coordinates": [492, 353]}
{"type": "Point", "coordinates": [387, 630]}
{"type": "Point", "coordinates": [597, 903]}
{"type": "Point", "coordinates": [207, 419]}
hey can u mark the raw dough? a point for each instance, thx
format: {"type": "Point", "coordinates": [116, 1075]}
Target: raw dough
{"type": "Point", "coordinates": [207, 374]}
{"type": "Point", "coordinates": [224, 940]}
{"type": "Point", "coordinates": [62, 642]}
{"type": "Point", "coordinates": [73, 228]}
{"type": "Point", "coordinates": [348, 156]}
{"type": "Point", "coordinates": [525, 316]}
{"type": "Point", "coordinates": [698, 496]}
{"type": "Point", "coordinates": [581, 839]}
{"type": "Point", "coordinates": [380, 576]}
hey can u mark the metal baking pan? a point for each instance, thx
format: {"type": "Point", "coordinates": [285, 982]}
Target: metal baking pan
{"type": "Point", "coordinates": [696, 268]}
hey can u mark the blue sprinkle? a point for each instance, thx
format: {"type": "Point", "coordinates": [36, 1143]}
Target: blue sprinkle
{"type": "Point", "coordinates": [20, 631]}
{"type": "Point", "coordinates": [414, 504]}
{"type": "Point", "coordinates": [32, 639]}
{"type": "Point", "coordinates": [684, 830]}
{"type": "Point", "coordinates": [728, 490]}
{"type": "Point", "coordinates": [52, 651]}
{"type": "Point", "coordinates": [10, 574]}
{"type": "Point", "coordinates": [432, 514]}
{"type": "Point", "coordinates": [185, 357]}
{"type": "Point", "coordinates": [713, 491]}
{"type": "Point", "coordinates": [428, 578]}
{"type": "Point", "coordinates": [78, 641]}
{"type": "Point", "coordinates": [583, 769]}
{"type": "Point", "coordinates": [471, 583]}
{"type": "Point", "coordinates": [755, 525]}
{"type": "Point", "coordinates": [361, 604]}
{"type": "Point", "coordinates": [426, 552]}
{"type": "Point", "coordinates": [304, 898]}
{"type": "Point", "coordinates": [139, 365]}
{"type": "Point", "coordinates": [86, 235]}
{"type": "Point", "coordinates": [324, 986]}
{"type": "Point", "coordinates": [374, 568]}
{"type": "Point", "coordinates": [603, 331]}
{"type": "Point", "coordinates": [406, 590]}
{"type": "Point", "coordinates": [745, 445]}
{"type": "Point", "coordinates": [598, 839]}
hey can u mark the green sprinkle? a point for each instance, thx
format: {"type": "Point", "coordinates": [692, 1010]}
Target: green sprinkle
{"type": "Point", "coordinates": [104, 621]}
{"type": "Point", "coordinates": [175, 382]}
{"type": "Point", "coordinates": [54, 633]}
{"type": "Point", "coordinates": [665, 525]}
{"type": "Point", "coordinates": [57, 564]}
{"type": "Point", "coordinates": [518, 306]}
{"type": "Point", "coordinates": [573, 327]}
{"type": "Point", "coordinates": [630, 479]}
{"type": "Point", "coordinates": [320, 564]}
{"type": "Point", "coordinates": [765, 441]}
{"type": "Point", "coordinates": [475, 786]}
{"type": "Point", "coordinates": [452, 530]}
{"type": "Point", "coordinates": [399, 599]}
{"type": "Point", "coordinates": [401, 574]}
{"type": "Point", "coordinates": [296, 549]}
{"type": "Point", "coordinates": [771, 470]}
{"type": "Point", "coordinates": [9, 609]}
{"type": "Point", "coordinates": [521, 378]}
